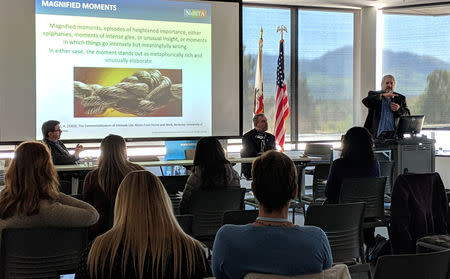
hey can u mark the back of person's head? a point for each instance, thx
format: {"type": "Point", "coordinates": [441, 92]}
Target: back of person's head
{"type": "Point", "coordinates": [274, 180]}
{"type": "Point", "coordinates": [112, 148]}
{"type": "Point", "coordinates": [30, 178]}
{"type": "Point", "coordinates": [210, 158]}
{"type": "Point", "coordinates": [357, 146]}
{"type": "Point", "coordinates": [48, 126]}
{"type": "Point", "coordinates": [113, 164]}
{"type": "Point", "coordinates": [144, 224]}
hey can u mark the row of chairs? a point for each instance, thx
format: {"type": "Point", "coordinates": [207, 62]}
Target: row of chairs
{"type": "Point", "coordinates": [49, 252]}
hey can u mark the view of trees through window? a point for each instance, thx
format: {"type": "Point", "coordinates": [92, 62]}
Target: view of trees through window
{"type": "Point", "coordinates": [252, 21]}
{"type": "Point", "coordinates": [325, 77]}
{"type": "Point", "coordinates": [416, 51]}
{"type": "Point", "coordinates": [325, 74]}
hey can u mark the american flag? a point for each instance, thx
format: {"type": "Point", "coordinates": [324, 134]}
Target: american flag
{"type": "Point", "coordinates": [281, 103]}
{"type": "Point", "coordinates": [258, 105]}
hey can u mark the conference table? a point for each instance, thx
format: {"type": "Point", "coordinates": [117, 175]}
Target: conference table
{"type": "Point", "coordinates": [300, 161]}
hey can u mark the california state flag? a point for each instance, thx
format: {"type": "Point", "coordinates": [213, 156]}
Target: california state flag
{"type": "Point", "coordinates": [258, 106]}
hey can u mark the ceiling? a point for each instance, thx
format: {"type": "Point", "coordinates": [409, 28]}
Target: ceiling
{"type": "Point", "coordinates": [433, 7]}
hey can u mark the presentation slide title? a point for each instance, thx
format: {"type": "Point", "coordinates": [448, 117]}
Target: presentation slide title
{"type": "Point", "coordinates": [78, 5]}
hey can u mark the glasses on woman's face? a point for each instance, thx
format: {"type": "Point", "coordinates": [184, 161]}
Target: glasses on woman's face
{"type": "Point", "coordinates": [59, 130]}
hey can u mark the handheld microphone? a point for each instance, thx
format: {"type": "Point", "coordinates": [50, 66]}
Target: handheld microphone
{"type": "Point", "coordinates": [262, 138]}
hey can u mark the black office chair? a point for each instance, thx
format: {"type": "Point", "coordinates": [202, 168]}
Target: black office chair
{"type": "Point", "coordinates": [185, 222]}
{"type": "Point", "coordinates": [320, 176]}
{"type": "Point", "coordinates": [342, 223]}
{"type": "Point", "coordinates": [433, 265]}
{"type": "Point", "coordinates": [173, 185]}
{"type": "Point", "coordinates": [208, 207]}
{"type": "Point", "coordinates": [239, 217]}
{"type": "Point", "coordinates": [369, 190]}
{"type": "Point", "coordinates": [41, 252]}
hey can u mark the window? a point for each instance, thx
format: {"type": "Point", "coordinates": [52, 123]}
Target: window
{"type": "Point", "coordinates": [253, 18]}
{"type": "Point", "coordinates": [325, 74]}
{"type": "Point", "coordinates": [416, 51]}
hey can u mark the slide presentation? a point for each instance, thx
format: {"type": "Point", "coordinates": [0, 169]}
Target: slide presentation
{"type": "Point", "coordinates": [143, 69]}
{"type": "Point", "coordinates": [136, 68]}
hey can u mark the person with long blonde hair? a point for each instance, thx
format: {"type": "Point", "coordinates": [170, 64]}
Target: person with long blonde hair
{"type": "Point", "coordinates": [146, 240]}
{"type": "Point", "coordinates": [31, 197]}
{"type": "Point", "coordinates": [101, 184]}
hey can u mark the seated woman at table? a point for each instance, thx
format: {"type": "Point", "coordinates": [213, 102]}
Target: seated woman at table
{"type": "Point", "coordinates": [271, 244]}
{"type": "Point", "coordinates": [211, 170]}
{"type": "Point", "coordinates": [357, 160]}
{"type": "Point", "coordinates": [31, 197]}
{"type": "Point", "coordinates": [101, 184]}
{"type": "Point", "coordinates": [145, 240]}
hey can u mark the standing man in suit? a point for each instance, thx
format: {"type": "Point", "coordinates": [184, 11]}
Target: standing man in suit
{"type": "Point", "coordinates": [385, 107]}
{"type": "Point", "coordinates": [60, 155]}
{"type": "Point", "coordinates": [256, 141]}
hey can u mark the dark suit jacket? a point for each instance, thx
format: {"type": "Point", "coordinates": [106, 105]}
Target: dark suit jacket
{"type": "Point", "coordinates": [60, 154]}
{"type": "Point", "coordinates": [373, 103]}
{"type": "Point", "coordinates": [251, 146]}
{"type": "Point", "coordinates": [419, 208]}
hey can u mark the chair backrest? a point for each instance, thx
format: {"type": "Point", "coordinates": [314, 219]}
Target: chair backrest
{"type": "Point", "coordinates": [320, 175]}
{"type": "Point", "coordinates": [324, 151]}
{"type": "Point", "coordinates": [185, 222]}
{"type": "Point", "coordinates": [342, 224]}
{"type": "Point", "coordinates": [339, 271]}
{"type": "Point", "coordinates": [366, 189]}
{"type": "Point", "coordinates": [41, 252]}
{"type": "Point", "coordinates": [387, 169]}
{"type": "Point", "coordinates": [174, 183]}
{"type": "Point", "coordinates": [433, 265]}
{"type": "Point", "coordinates": [239, 217]}
{"type": "Point", "coordinates": [208, 207]}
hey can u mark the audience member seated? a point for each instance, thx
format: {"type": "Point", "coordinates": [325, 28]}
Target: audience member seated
{"type": "Point", "coordinates": [357, 160]}
{"type": "Point", "coordinates": [211, 170]}
{"type": "Point", "coordinates": [31, 197]}
{"type": "Point", "coordinates": [60, 155]}
{"type": "Point", "coordinates": [256, 141]}
{"type": "Point", "coordinates": [101, 184]}
{"type": "Point", "coordinates": [271, 244]}
{"type": "Point", "coordinates": [145, 240]}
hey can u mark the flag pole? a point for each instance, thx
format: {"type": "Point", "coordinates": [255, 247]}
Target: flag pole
{"type": "Point", "coordinates": [281, 102]}
{"type": "Point", "coordinates": [258, 98]}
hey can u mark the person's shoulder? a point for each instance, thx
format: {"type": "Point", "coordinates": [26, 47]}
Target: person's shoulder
{"type": "Point", "coordinates": [313, 232]}
{"type": "Point", "coordinates": [249, 133]}
{"type": "Point", "coordinates": [270, 135]}
{"type": "Point", "coordinates": [338, 162]}
{"type": "Point", "coordinates": [400, 95]}
{"type": "Point", "coordinates": [231, 230]}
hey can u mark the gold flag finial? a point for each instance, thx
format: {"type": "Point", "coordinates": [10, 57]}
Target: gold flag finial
{"type": "Point", "coordinates": [261, 32]}
{"type": "Point", "coordinates": [282, 29]}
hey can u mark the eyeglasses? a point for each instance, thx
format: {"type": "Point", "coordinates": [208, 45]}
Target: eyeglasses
{"type": "Point", "coordinates": [59, 130]}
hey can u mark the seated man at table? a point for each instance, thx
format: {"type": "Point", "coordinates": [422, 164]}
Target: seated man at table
{"type": "Point", "coordinates": [256, 141]}
{"type": "Point", "coordinates": [271, 244]}
{"type": "Point", "coordinates": [51, 131]}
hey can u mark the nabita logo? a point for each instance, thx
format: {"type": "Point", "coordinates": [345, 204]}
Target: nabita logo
{"type": "Point", "coordinates": [194, 13]}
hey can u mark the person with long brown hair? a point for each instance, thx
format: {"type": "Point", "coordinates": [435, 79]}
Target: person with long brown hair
{"type": "Point", "coordinates": [146, 240]}
{"type": "Point", "coordinates": [101, 184]}
{"type": "Point", "coordinates": [31, 197]}
{"type": "Point", "coordinates": [211, 170]}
